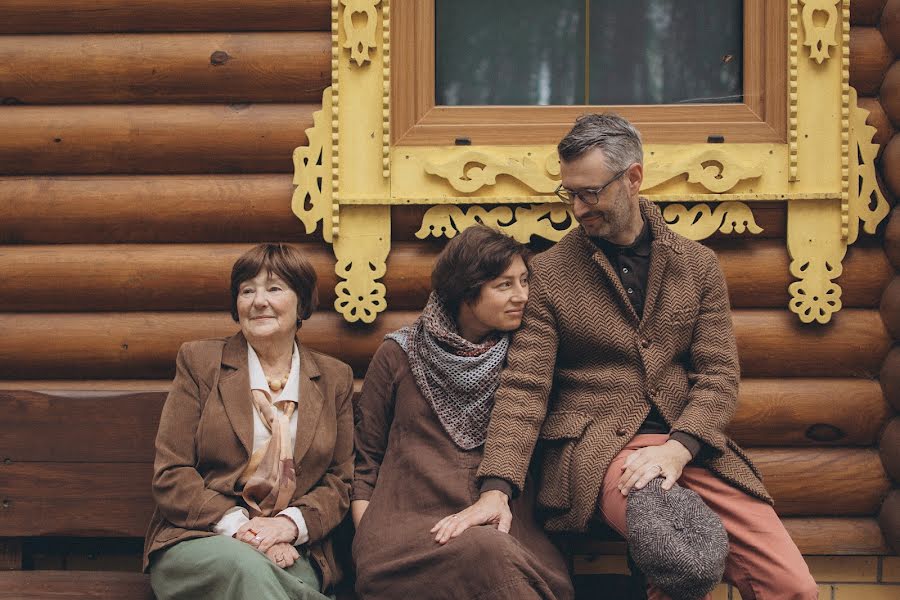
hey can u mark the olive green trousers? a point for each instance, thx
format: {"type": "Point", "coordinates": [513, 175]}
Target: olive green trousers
{"type": "Point", "coordinates": [222, 567]}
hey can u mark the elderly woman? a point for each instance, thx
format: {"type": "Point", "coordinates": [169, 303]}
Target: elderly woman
{"type": "Point", "coordinates": [254, 454]}
{"type": "Point", "coordinates": [421, 423]}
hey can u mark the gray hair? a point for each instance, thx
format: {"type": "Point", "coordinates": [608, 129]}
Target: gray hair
{"type": "Point", "coordinates": [619, 140]}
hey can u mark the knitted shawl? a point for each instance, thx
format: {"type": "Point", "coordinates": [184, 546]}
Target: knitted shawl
{"type": "Point", "coordinates": [457, 377]}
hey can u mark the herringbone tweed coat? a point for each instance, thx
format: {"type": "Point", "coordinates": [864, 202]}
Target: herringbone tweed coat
{"type": "Point", "coordinates": [584, 368]}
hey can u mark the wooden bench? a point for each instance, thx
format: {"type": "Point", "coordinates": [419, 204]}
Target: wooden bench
{"type": "Point", "coordinates": [76, 464]}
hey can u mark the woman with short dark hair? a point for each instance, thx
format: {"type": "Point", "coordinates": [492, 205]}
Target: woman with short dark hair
{"type": "Point", "coordinates": [421, 422]}
{"type": "Point", "coordinates": [254, 453]}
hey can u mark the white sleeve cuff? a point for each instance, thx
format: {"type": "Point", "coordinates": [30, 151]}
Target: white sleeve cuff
{"type": "Point", "coordinates": [231, 521]}
{"type": "Point", "coordinates": [294, 514]}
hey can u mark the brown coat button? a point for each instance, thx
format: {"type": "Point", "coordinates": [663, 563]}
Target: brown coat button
{"type": "Point", "coordinates": [645, 343]}
{"type": "Point", "coordinates": [621, 431]}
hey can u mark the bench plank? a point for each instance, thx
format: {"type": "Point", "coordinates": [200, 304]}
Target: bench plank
{"type": "Point", "coordinates": [75, 426]}
{"type": "Point", "coordinates": [56, 421]}
{"type": "Point", "coordinates": [72, 585]}
{"type": "Point", "coordinates": [56, 499]}
{"type": "Point", "coordinates": [49, 498]}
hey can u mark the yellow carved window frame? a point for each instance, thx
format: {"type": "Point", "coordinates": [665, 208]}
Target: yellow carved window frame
{"type": "Point", "coordinates": [379, 141]}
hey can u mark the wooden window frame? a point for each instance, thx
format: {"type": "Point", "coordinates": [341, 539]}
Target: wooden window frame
{"type": "Point", "coordinates": [417, 121]}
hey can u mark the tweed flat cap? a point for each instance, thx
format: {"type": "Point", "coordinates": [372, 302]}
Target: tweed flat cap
{"type": "Point", "coordinates": [676, 540]}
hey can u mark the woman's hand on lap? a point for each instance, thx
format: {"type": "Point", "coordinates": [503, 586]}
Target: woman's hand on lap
{"type": "Point", "coordinates": [492, 508]}
{"type": "Point", "coordinates": [282, 554]}
{"type": "Point", "coordinates": [265, 532]}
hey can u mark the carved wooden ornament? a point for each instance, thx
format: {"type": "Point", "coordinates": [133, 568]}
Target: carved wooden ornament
{"type": "Point", "coordinates": [350, 174]}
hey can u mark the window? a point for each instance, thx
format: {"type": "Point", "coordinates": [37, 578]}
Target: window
{"type": "Point", "coordinates": [719, 69]}
{"type": "Point", "coordinates": [594, 52]}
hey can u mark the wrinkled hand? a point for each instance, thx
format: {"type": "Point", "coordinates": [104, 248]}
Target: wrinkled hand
{"type": "Point", "coordinates": [282, 554]}
{"type": "Point", "coordinates": [264, 532]}
{"type": "Point", "coordinates": [492, 508]}
{"type": "Point", "coordinates": [646, 464]}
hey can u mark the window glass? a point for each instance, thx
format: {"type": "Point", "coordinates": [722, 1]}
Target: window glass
{"type": "Point", "coordinates": [570, 52]}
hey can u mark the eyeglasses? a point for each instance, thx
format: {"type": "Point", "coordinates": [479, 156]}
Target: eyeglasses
{"type": "Point", "coordinates": [589, 196]}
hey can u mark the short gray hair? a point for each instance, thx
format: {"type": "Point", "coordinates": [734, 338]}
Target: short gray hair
{"type": "Point", "coordinates": [619, 140]}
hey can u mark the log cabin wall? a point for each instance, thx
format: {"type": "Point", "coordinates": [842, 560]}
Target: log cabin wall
{"type": "Point", "coordinates": [145, 144]}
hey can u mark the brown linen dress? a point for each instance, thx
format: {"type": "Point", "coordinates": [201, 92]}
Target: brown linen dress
{"type": "Point", "coordinates": [413, 475]}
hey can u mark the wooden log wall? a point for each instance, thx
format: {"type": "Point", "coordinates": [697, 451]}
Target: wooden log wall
{"type": "Point", "coordinates": [144, 144]}
{"type": "Point", "coordinates": [887, 78]}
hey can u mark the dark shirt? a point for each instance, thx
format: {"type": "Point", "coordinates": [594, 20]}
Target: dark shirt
{"type": "Point", "coordinates": [632, 264]}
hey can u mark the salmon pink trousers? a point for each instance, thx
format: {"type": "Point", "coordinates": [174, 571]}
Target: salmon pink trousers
{"type": "Point", "coordinates": [763, 561]}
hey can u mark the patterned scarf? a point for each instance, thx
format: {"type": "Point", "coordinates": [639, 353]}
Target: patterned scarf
{"type": "Point", "coordinates": [269, 478]}
{"type": "Point", "coordinates": [457, 377]}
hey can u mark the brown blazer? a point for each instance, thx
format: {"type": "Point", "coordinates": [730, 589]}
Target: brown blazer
{"type": "Point", "coordinates": [205, 439]}
{"type": "Point", "coordinates": [583, 370]}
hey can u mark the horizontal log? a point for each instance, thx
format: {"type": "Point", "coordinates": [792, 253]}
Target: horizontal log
{"type": "Point", "coordinates": [889, 520]}
{"type": "Point", "coordinates": [890, 25]}
{"type": "Point", "coordinates": [60, 491]}
{"type": "Point", "coordinates": [143, 345]}
{"type": "Point", "coordinates": [837, 536]}
{"type": "Point", "coordinates": [66, 585]}
{"type": "Point", "coordinates": [758, 273]}
{"type": "Point", "coordinates": [890, 93]}
{"type": "Point", "coordinates": [151, 68]}
{"type": "Point", "coordinates": [852, 480]}
{"type": "Point", "coordinates": [889, 446]}
{"type": "Point", "coordinates": [866, 12]}
{"type": "Point", "coordinates": [162, 208]}
{"type": "Point", "coordinates": [196, 208]}
{"type": "Point", "coordinates": [74, 421]}
{"type": "Point", "coordinates": [870, 58]}
{"type": "Point", "coordinates": [802, 412]}
{"type": "Point", "coordinates": [890, 307]}
{"type": "Point", "coordinates": [841, 536]}
{"type": "Point", "coordinates": [152, 139]}
{"type": "Point", "coordinates": [892, 238]}
{"type": "Point", "coordinates": [890, 378]}
{"type": "Point", "coordinates": [78, 16]}
{"type": "Point", "coordinates": [890, 166]}
{"type": "Point", "coordinates": [777, 344]}
{"type": "Point", "coordinates": [151, 277]}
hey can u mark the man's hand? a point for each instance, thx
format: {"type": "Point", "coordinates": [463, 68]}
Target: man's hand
{"type": "Point", "coordinates": [492, 508]}
{"type": "Point", "coordinates": [282, 554]}
{"type": "Point", "coordinates": [646, 464]}
{"type": "Point", "coordinates": [264, 532]}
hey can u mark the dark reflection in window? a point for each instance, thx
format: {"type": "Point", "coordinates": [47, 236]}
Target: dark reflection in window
{"type": "Point", "coordinates": [666, 51]}
{"type": "Point", "coordinates": [534, 52]}
{"type": "Point", "coordinates": [509, 52]}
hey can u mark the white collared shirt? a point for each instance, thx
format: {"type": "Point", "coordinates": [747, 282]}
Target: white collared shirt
{"type": "Point", "coordinates": [232, 520]}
